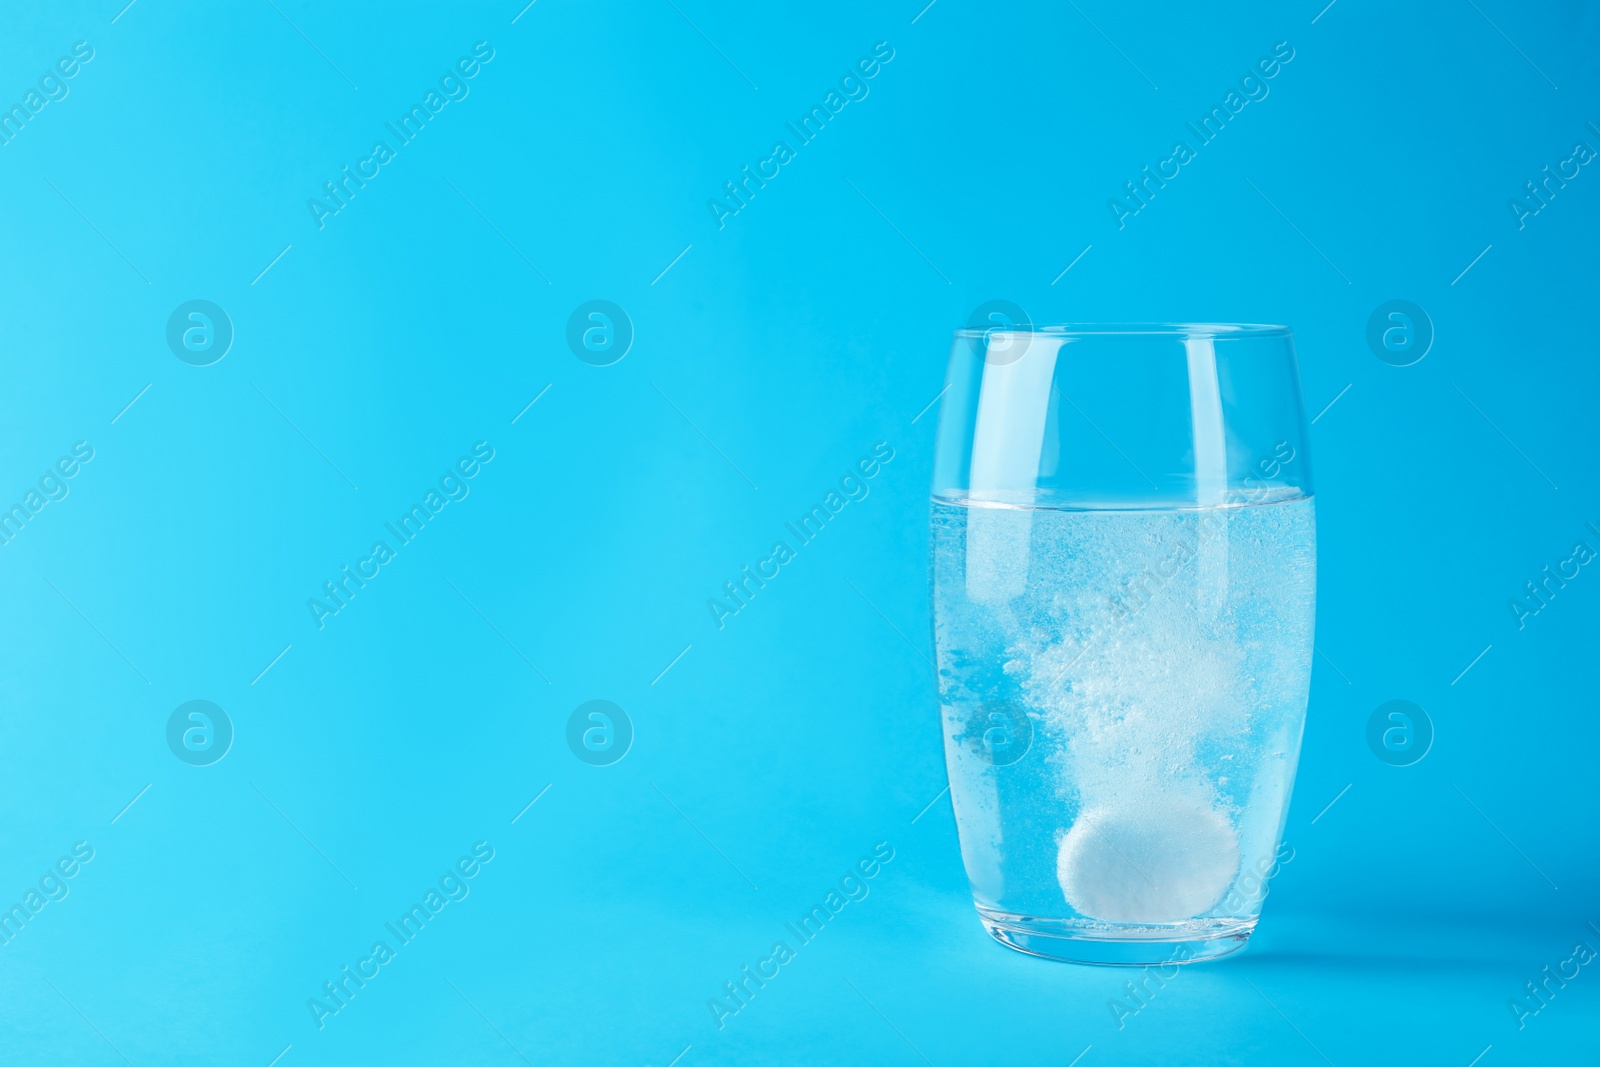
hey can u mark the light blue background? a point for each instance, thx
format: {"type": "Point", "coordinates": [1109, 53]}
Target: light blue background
{"type": "Point", "coordinates": [779, 750]}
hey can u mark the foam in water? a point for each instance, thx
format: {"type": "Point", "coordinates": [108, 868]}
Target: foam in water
{"type": "Point", "coordinates": [1162, 658]}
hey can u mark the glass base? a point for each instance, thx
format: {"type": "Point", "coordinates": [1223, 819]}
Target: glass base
{"type": "Point", "coordinates": [1117, 944]}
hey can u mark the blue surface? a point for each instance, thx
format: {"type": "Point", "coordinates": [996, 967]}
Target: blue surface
{"type": "Point", "coordinates": [372, 352]}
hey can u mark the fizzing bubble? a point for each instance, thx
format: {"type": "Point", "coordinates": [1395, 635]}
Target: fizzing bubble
{"type": "Point", "coordinates": [1162, 658]}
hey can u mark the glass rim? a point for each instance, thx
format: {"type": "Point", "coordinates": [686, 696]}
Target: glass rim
{"type": "Point", "coordinates": [1135, 329]}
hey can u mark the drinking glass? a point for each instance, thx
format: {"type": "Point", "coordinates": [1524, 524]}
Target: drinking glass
{"type": "Point", "coordinates": [1124, 590]}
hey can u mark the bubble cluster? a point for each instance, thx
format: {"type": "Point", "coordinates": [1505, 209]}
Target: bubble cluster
{"type": "Point", "coordinates": [1164, 657]}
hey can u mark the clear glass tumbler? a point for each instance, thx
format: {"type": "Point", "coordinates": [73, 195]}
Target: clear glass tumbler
{"type": "Point", "coordinates": [1124, 590]}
